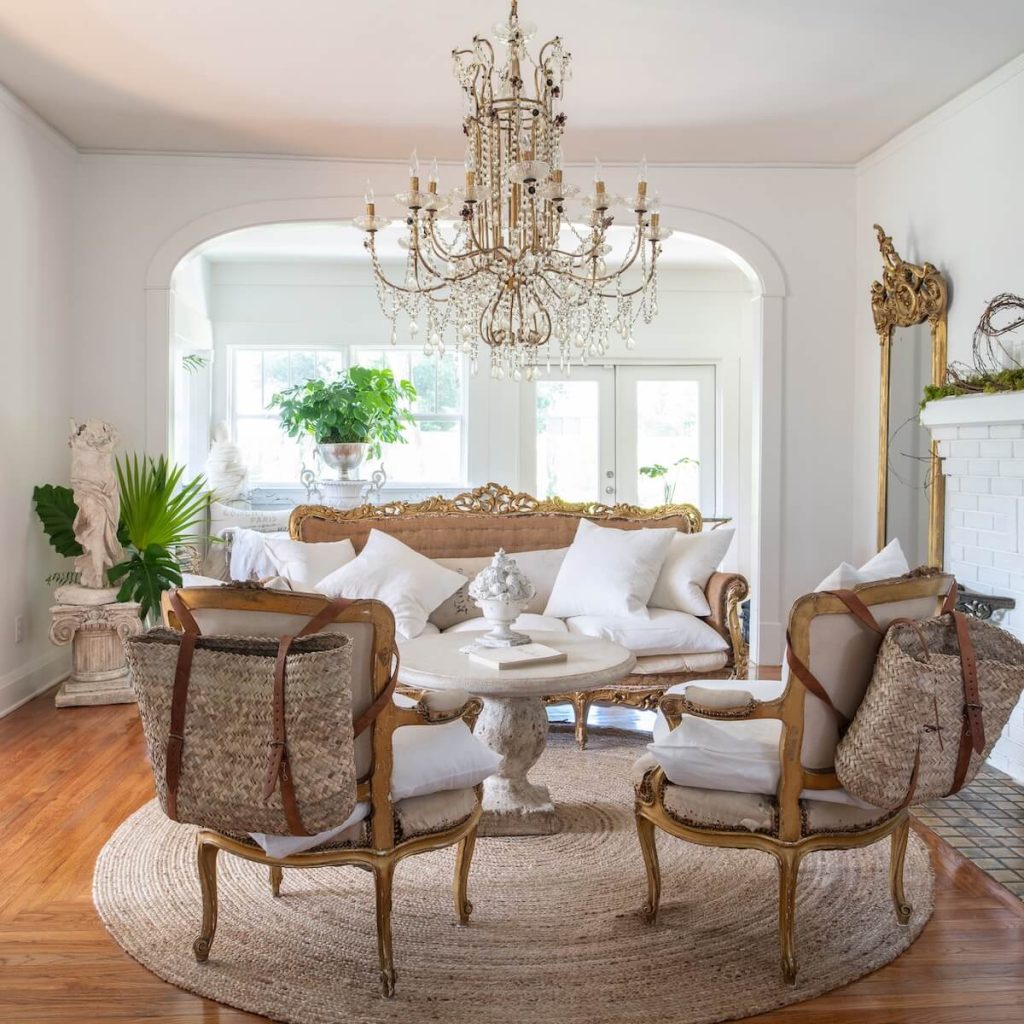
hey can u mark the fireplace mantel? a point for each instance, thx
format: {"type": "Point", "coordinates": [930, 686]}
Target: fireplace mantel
{"type": "Point", "coordinates": [975, 410]}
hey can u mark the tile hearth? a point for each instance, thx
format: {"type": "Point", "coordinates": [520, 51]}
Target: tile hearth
{"type": "Point", "coordinates": [986, 824]}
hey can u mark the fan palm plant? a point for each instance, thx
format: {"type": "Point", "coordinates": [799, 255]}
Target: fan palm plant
{"type": "Point", "coordinates": [158, 513]}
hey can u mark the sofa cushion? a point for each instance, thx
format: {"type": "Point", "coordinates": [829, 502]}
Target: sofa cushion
{"type": "Point", "coordinates": [656, 664]}
{"type": "Point", "coordinates": [526, 622]}
{"type": "Point", "coordinates": [410, 584]}
{"type": "Point", "coordinates": [539, 567]}
{"type": "Point", "coordinates": [691, 559]}
{"type": "Point", "coordinates": [661, 632]}
{"type": "Point", "coordinates": [608, 571]}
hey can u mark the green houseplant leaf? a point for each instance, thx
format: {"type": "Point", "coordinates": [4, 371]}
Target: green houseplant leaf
{"type": "Point", "coordinates": [363, 405]}
{"type": "Point", "coordinates": [145, 576]}
{"type": "Point", "coordinates": [56, 508]}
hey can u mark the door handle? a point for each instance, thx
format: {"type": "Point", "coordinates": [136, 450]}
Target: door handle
{"type": "Point", "coordinates": [609, 490]}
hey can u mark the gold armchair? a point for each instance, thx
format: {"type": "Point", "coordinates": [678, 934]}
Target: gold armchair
{"type": "Point", "coordinates": [793, 820]}
{"type": "Point", "coordinates": [392, 830]}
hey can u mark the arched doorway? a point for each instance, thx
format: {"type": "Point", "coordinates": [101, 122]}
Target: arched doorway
{"type": "Point", "coordinates": [766, 331]}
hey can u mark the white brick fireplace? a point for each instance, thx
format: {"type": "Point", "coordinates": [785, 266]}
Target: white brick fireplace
{"type": "Point", "coordinates": [981, 441]}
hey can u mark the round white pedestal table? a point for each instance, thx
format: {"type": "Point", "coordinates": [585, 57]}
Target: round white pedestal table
{"type": "Point", "coordinates": [514, 722]}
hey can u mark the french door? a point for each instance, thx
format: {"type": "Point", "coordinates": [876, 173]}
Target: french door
{"type": "Point", "coordinates": [638, 434]}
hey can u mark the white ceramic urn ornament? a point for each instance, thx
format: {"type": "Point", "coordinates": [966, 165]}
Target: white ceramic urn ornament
{"type": "Point", "coordinates": [501, 592]}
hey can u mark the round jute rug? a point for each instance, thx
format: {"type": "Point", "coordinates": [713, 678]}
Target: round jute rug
{"type": "Point", "coordinates": [555, 935]}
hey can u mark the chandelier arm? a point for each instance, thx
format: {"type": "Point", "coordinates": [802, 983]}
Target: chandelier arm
{"type": "Point", "coordinates": [634, 291]}
{"type": "Point", "coordinates": [378, 271]}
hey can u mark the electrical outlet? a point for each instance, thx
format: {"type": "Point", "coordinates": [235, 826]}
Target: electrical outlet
{"type": "Point", "coordinates": [19, 628]}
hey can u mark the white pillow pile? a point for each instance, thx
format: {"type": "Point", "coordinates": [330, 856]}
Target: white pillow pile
{"type": "Point", "coordinates": [409, 583]}
{"type": "Point", "coordinates": [607, 571]}
{"type": "Point", "coordinates": [888, 563]}
{"type": "Point", "coordinates": [615, 573]}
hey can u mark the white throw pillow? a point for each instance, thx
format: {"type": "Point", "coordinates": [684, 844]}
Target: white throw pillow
{"type": "Point", "coordinates": [427, 759]}
{"type": "Point", "coordinates": [306, 564]}
{"type": "Point", "coordinates": [691, 559]}
{"type": "Point", "coordinates": [662, 632]}
{"type": "Point", "coordinates": [431, 758]}
{"type": "Point", "coordinates": [409, 583]}
{"type": "Point", "coordinates": [741, 757]}
{"type": "Point", "coordinates": [607, 571]}
{"type": "Point", "coordinates": [888, 563]}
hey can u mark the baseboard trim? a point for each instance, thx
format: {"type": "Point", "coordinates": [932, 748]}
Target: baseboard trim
{"type": "Point", "coordinates": [21, 685]}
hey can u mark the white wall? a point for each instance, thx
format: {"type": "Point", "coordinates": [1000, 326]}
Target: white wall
{"type": "Point", "coordinates": [131, 205]}
{"type": "Point", "coordinates": [37, 169]}
{"type": "Point", "coordinates": [948, 191]}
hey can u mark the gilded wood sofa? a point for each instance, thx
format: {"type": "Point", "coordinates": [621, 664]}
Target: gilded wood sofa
{"type": "Point", "coordinates": [478, 522]}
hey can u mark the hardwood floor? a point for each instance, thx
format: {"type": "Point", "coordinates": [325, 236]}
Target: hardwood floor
{"type": "Point", "coordinates": [68, 778]}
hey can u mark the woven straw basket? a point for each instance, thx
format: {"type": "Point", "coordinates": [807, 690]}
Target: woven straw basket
{"type": "Point", "coordinates": [916, 697]}
{"type": "Point", "coordinates": [229, 728]}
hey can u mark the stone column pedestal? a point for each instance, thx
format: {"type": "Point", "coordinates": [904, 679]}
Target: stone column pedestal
{"type": "Point", "coordinates": [96, 632]}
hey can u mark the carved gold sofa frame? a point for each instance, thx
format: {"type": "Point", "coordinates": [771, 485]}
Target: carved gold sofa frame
{"type": "Point", "coordinates": [478, 522]}
{"type": "Point", "coordinates": [383, 845]}
{"type": "Point", "coordinates": [841, 664]}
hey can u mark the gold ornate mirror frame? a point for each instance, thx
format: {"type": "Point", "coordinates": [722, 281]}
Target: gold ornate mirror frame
{"type": "Point", "coordinates": [909, 294]}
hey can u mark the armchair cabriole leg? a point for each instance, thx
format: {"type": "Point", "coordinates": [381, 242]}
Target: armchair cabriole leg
{"type": "Point", "coordinates": [383, 875]}
{"type": "Point", "coordinates": [789, 869]}
{"type": "Point", "coordinates": [206, 859]}
{"type": "Point", "coordinates": [276, 876]}
{"type": "Point", "coordinates": [463, 859]}
{"type": "Point", "coordinates": [897, 857]}
{"type": "Point", "coordinates": [581, 709]}
{"type": "Point", "coordinates": [648, 847]}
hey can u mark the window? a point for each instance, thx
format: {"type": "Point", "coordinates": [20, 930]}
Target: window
{"type": "Point", "coordinates": [587, 437]}
{"type": "Point", "coordinates": [255, 375]}
{"type": "Point", "coordinates": [436, 449]}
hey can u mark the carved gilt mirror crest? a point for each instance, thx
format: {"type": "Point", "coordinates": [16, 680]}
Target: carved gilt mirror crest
{"type": "Point", "coordinates": [909, 309]}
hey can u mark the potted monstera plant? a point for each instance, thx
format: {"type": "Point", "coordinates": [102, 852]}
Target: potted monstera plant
{"type": "Point", "coordinates": [349, 417]}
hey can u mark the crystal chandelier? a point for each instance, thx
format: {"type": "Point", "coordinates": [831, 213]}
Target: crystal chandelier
{"type": "Point", "coordinates": [511, 268]}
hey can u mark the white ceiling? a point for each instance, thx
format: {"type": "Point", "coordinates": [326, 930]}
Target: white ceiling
{"type": "Point", "coordinates": [323, 240]}
{"type": "Point", "coordinates": [823, 81]}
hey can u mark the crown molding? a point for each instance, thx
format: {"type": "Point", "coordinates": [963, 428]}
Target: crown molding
{"type": "Point", "coordinates": [43, 127]}
{"type": "Point", "coordinates": [938, 117]}
{"type": "Point", "coordinates": [172, 155]}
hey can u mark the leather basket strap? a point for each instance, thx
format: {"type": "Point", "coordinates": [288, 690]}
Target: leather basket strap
{"type": "Point", "coordinates": [179, 700]}
{"type": "Point", "coordinates": [949, 605]}
{"type": "Point", "coordinates": [810, 682]}
{"type": "Point", "coordinates": [278, 769]}
{"type": "Point", "coordinates": [859, 609]}
{"type": "Point", "coordinates": [278, 766]}
{"type": "Point", "coordinates": [381, 701]}
{"type": "Point", "coordinates": [972, 734]}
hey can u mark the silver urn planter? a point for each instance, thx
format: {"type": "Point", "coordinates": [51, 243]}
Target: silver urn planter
{"type": "Point", "coordinates": [345, 457]}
